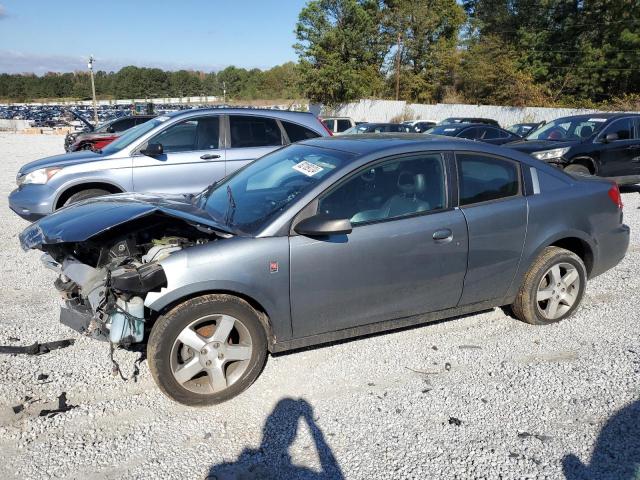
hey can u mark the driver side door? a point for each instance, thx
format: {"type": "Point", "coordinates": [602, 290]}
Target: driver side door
{"type": "Point", "coordinates": [406, 255]}
{"type": "Point", "coordinates": [193, 157]}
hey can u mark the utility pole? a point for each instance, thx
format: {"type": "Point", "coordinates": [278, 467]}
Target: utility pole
{"type": "Point", "coordinates": [224, 93]}
{"type": "Point", "coordinates": [398, 66]}
{"type": "Point", "coordinates": [93, 90]}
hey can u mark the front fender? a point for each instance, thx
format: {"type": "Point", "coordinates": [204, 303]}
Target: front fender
{"type": "Point", "coordinates": [256, 268]}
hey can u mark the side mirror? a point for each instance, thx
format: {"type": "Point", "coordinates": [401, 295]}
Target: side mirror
{"type": "Point", "coordinates": [152, 150]}
{"type": "Point", "coordinates": [611, 137]}
{"type": "Point", "coordinates": [320, 225]}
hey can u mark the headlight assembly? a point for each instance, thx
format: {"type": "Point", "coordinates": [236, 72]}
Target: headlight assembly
{"type": "Point", "coordinates": [40, 176]}
{"type": "Point", "coordinates": [550, 154]}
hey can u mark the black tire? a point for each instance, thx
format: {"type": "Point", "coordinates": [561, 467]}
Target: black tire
{"type": "Point", "coordinates": [85, 195]}
{"type": "Point", "coordinates": [169, 326]}
{"type": "Point", "coordinates": [525, 307]}
{"type": "Point", "coordinates": [577, 168]}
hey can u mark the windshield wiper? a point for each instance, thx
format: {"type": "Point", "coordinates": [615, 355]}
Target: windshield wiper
{"type": "Point", "coordinates": [231, 208]}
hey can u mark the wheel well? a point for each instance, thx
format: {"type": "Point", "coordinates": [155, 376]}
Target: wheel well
{"type": "Point", "coordinates": [587, 162]}
{"type": "Point", "coordinates": [262, 313]}
{"type": "Point", "coordinates": [579, 247]}
{"type": "Point", "coordinates": [85, 186]}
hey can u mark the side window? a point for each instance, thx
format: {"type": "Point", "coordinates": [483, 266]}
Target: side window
{"type": "Point", "coordinates": [484, 178]}
{"type": "Point", "coordinates": [343, 125]}
{"type": "Point", "coordinates": [298, 132]}
{"type": "Point", "coordinates": [623, 127]}
{"type": "Point", "coordinates": [389, 190]}
{"type": "Point", "coordinates": [249, 131]}
{"type": "Point", "coordinates": [470, 133]}
{"type": "Point", "coordinates": [122, 125]}
{"type": "Point", "coordinates": [138, 121]}
{"type": "Point", "coordinates": [189, 135]}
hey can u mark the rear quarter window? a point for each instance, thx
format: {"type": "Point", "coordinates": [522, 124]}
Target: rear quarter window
{"type": "Point", "coordinates": [483, 178]}
{"type": "Point", "coordinates": [298, 132]}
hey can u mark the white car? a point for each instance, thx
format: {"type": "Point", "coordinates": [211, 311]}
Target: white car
{"type": "Point", "coordinates": [338, 124]}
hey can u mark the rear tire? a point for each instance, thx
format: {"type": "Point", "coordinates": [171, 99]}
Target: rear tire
{"type": "Point", "coordinates": [207, 349]}
{"type": "Point", "coordinates": [85, 195]}
{"type": "Point", "coordinates": [577, 168]}
{"type": "Point", "coordinates": [552, 288]}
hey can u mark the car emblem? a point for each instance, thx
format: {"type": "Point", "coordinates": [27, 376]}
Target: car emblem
{"type": "Point", "coordinates": [273, 267]}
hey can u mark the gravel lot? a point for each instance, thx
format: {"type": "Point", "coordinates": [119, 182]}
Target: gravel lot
{"type": "Point", "coordinates": [483, 396]}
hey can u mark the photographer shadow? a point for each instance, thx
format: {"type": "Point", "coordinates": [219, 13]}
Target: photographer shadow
{"type": "Point", "coordinates": [616, 455]}
{"type": "Point", "coordinates": [272, 459]}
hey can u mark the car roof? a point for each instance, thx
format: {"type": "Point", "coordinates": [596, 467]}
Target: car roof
{"type": "Point", "coordinates": [270, 112]}
{"type": "Point", "coordinates": [364, 144]}
{"type": "Point", "coordinates": [608, 116]}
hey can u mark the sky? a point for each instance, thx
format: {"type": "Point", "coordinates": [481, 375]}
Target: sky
{"type": "Point", "coordinates": [44, 35]}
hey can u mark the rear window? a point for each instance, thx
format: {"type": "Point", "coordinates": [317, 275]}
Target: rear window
{"type": "Point", "coordinates": [343, 125]}
{"type": "Point", "coordinates": [483, 178]}
{"type": "Point", "coordinates": [298, 132]}
{"type": "Point", "coordinates": [250, 131]}
{"type": "Point", "coordinates": [122, 125]}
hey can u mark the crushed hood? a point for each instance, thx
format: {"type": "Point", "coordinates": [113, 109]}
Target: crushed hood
{"type": "Point", "coordinates": [81, 221]}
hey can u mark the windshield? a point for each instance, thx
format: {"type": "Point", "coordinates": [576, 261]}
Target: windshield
{"type": "Point", "coordinates": [443, 130]}
{"type": "Point", "coordinates": [356, 129]}
{"type": "Point", "coordinates": [132, 134]}
{"type": "Point", "coordinates": [247, 200]}
{"type": "Point", "coordinates": [567, 129]}
{"type": "Point", "coordinates": [102, 128]}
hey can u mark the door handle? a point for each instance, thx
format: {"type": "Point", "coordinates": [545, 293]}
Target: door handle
{"type": "Point", "coordinates": [209, 156]}
{"type": "Point", "coordinates": [443, 235]}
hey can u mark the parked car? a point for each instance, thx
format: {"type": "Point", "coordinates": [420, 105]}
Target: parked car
{"type": "Point", "coordinates": [603, 144]}
{"type": "Point", "coordinates": [475, 131]}
{"type": "Point", "coordinates": [325, 240]}
{"type": "Point", "coordinates": [524, 129]}
{"type": "Point", "coordinates": [488, 121]}
{"type": "Point", "coordinates": [377, 128]}
{"type": "Point", "coordinates": [182, 152]}
{"type": "Point", "coordinates": [104, 134]}
{"type": "Point", "coordinates": [338, 124]}
{"type": "Point", "coordinates": [419, 126]}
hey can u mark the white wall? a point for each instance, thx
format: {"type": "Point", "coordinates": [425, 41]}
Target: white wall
{"type": "Point", "coordinates": [385, 110]}
{"type": "Point", "coordinates": [14, 125]}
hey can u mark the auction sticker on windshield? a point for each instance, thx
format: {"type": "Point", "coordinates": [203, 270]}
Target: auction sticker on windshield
{"type": "Point", "coordinates": [307, 168]}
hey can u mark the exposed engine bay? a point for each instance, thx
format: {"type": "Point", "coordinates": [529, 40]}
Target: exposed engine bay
{"type": "Point", "coordinates": [104, 280]}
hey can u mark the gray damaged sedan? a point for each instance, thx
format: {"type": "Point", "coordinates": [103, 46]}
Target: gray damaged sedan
{"type": "Point", "coordinates": [325, 240]}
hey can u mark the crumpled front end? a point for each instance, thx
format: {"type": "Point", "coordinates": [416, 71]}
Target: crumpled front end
{"type": "Point", "coordinates": [105, 280]}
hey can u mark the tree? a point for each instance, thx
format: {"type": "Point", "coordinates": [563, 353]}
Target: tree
{"type": "Point", "coordinates": [428, 30]}
{"type": "Point", "coordinates": [489, 74]}
{"type": "Point", "coordinates": [341, 50]}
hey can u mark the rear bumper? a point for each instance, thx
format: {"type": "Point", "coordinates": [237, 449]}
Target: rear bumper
{"type": "Point", "coordinates": [612, 249]}
{"type": "Point", "coordinates": [32, 202]}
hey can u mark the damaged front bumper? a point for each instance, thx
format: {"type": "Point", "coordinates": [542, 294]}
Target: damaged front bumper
{"type": "Point", "coordinates": [105, 303]}
{"type": "Point", "coordinates": [81, 319]}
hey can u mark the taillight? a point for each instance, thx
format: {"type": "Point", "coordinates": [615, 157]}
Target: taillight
{"type": "Point", "coordinates": [326, 128]}
{"type": "Point", "coordinates": [614, 195]}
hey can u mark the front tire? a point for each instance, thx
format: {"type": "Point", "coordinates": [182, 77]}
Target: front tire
{"type": "Point", "coordinates": [207, 349]}
{"type": "Point", "coordinates": [577, 168]}
{"type": "Point", "coordinates": [552, 288]}
{"type": "Point", "coordinates": [85, 195]}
